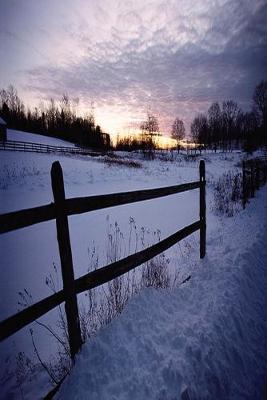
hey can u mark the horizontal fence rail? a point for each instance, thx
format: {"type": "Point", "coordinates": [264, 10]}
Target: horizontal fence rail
{"type": "Point", "coordinates": [23, 318]}
{"type": "Point", "coordinates": [59, 210]}
{"type": "Point", "coordinates": [14, 145]}
{"type": "Point", "coordinates": [23, 218]}
{"type": "Point", "coordinates": [92, 203]}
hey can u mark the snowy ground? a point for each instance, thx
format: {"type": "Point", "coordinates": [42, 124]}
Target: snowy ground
{"type": "Point", "coordinates": [33, 138]}
{"type": "Point", "coordinates": [207, 321]}
{"type": "Point", "coordinates": [208, 335]}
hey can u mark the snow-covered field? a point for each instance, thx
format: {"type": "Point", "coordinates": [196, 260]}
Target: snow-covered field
{"type": "Point", "coordinates": [28, 137]}
{"type": "Point", "coordinates": [208, 334]}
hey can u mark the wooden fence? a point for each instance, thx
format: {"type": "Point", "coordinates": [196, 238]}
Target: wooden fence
{"type": "Point", "coordinates": [254, 175]}
{"type": "Point", "coordinates": [12, 145]}
{"type": "Point", "coordinates": [59, 210]}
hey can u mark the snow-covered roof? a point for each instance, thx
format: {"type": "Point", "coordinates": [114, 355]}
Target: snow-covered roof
{"type": "Point", "coordinates": [2, 122]}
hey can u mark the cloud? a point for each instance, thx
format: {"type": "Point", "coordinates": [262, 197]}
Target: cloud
{"type": "Point", "coordinates": [175, 57]}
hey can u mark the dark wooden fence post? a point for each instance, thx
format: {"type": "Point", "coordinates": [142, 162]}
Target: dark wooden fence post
{"type": "Point", "coordinates": [63, 238]}
{"type": "Point", "coordinates": [202, 208]}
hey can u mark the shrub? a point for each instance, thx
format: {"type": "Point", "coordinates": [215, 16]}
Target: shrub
{"type": "Point", "coordinates": [228, 193]}
{"type": "Point", "coordinates": [155, 273]}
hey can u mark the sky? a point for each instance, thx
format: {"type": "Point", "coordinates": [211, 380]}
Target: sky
{"type": "Point", "coordinates": [124, 58]}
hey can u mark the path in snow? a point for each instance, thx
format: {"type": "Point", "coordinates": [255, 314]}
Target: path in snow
{"type": "Point", "coordinates": [209, 334]}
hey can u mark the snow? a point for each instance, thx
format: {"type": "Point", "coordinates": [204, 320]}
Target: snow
{"type": "Point", "coordinates": [208, 335]}
{"type": "Point", "coordinates": [191, 336]}
{"type": "Point", "coordinates": [28, 137]}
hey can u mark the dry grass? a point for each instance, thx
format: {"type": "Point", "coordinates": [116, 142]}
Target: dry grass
{"type": "Point", "coordinates": [125, 162]}
{"type": "Point", "coordinates": [228, 193]}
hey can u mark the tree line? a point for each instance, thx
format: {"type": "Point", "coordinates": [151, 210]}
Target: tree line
{"type": "Point", "coordinates": [227, 126]}
{"type": "Point", "coordinates": [56, 119]}
{"type": "Point", "coordinates": [223, 126]}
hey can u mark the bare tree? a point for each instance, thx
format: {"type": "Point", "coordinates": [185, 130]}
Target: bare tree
{"type": "Point", "coordinates": [178, 132]}
{"type": "Point", "coordinates": [51, 116]}
{"type": "Point", "coordinates": [260, 108]}
{"type": "Point", "coordinates": [248, 128]}
{"type": "Point", "coordinates": [65, 103]}
{"type": "Point", "coordinates": [150, 129]}
{"type": "Point", "coordinates": [230, 115]}
{"type": "Point", "coordinates": [3, 97]}
{"type": "Point", "coordinates": [199, 129]}
{"type": "Point", "coordinates": [260, 100]}
{"type": "Point", "coordinates": [215, 124]}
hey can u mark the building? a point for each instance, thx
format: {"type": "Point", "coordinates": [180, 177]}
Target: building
{"type": "Point", "coordinates": [3, 126]}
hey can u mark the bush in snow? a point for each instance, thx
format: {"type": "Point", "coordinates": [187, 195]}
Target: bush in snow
{"type": "Point", "coordinates": [155, 273]}
{"type": "Point", "coordinates": [228, 193]}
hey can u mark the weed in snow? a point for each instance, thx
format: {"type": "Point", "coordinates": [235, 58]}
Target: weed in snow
{"type": "Point", "coordinates": [228, 193]}
{"type": "Point", "coordinates": [97, 307]}
{"type": "Point", "coordinates": [16, 174]}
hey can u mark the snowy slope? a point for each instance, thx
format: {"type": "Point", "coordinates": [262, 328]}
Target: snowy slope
{"type": "Point", "coordinates": [33, 138]}
{"type": "Point", "coordinates": [208, 335]}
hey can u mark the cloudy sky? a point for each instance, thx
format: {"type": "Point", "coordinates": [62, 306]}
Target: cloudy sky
{"type": "Point", "coordinates": [172, 57]}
